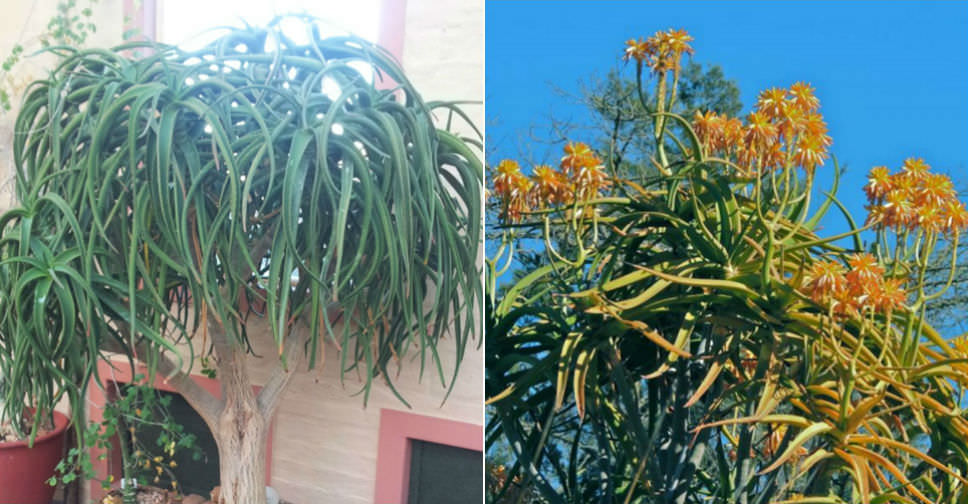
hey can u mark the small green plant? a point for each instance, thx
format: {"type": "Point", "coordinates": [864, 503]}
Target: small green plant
{"type": "Point", "coordinates": [70, 26]}
{"type": "Point", "coordinates": [144, 460]}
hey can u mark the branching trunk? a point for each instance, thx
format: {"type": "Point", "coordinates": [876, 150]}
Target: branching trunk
{"type": "Point", "coordinates": [240, 420]}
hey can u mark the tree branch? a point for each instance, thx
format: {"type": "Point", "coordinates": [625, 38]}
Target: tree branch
{"type": "Point", "coordinates": [207, 405]}
{"type": "Point", "coordinates": [271, 393]}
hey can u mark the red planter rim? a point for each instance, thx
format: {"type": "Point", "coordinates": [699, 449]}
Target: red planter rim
{"type": "Point", "coordinates": [60, 424]}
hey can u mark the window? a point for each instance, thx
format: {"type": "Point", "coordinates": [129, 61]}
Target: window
{"type": "Point", "coordinates": [443, 473]}
{"type": "Point", "coordinates": [180, 21]}
{"type": "Point", "coordinates": [421, 457]}
{"type": "Point", "coordinates": [191, 24]}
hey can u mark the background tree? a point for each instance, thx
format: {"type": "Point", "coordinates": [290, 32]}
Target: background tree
{"type": "Point", "coordinates": [163, 201]}
{"type": "Point", "coordinates": [621, 127]}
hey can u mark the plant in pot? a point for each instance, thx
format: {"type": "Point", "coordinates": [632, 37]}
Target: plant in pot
{"type": "Point", "coordinates": [31, 444]}
{"type": "Point", "coordinates": [138, 420]}
{"type": "Point", "coordinates": [165, 197]}
{"type": "Point", "coordinates": [32, 436]}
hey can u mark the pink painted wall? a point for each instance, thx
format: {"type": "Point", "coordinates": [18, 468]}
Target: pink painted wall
{"type": "Point", "coordinates": [397, 429]}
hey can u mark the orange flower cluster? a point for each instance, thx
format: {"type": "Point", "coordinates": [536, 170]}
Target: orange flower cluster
{"type": "Point", "coordinates": [513, 187]}
{"type": "Point", "coordinates": [852, 290]}
{"type": "Point", "coordinates": [914, 198]}
{"type": "Point", "coordinates": [584, 172]}
{"type": "Point", "coordinates": [661, 52]}
{"type": "Point", "coordinates": [785, 127]}
{"type": "Point", "coordinates": [581, 176]}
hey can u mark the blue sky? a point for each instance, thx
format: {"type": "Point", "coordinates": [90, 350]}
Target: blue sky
{"type": "Point", "coordinates": [892, 77]}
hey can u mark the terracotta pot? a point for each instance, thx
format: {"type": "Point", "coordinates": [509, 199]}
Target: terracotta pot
{"type": "Point", "coordinates": [24, 470]}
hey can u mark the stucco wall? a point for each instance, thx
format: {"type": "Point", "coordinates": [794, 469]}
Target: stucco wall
{"type": "Point", "coordinates": [443, 51]}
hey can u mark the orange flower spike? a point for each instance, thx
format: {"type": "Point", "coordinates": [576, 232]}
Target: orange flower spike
{"type": "Point", "coordinates": [637, 50]}
{"type": "Point", "coordinates": [827, 280]}
{"type": "Point", "coordinates": [900, 210]}
{"type": "Point", "coordinates": [802, 95]}
{"type": "Point", "coordinates": [710, 129]}
{"type": "Point", "coordinates": [905, 183]}
{"type": "Point", "coordinates": [792, 123]}
{"type": "Point", "coordinates": [915, 168]}
{"type": "Point", "coordinates": [732, 134]}
{"type": "Point", "coordinates": [774, 155]}
{"type": "Point", "coordinates": [864, 274]}
{"type": "Point", "coordinates": [935, 189]}
{"type": "Point", "coordinates": [760, 132]}
{"type": "Point", "coordinates": [814, 126]}
{"type": "Point", "coordinates": [550, 186]}
{"type": "Point", "coordinates": [810, 153]}
{"type": "Point", "coordinates": [517, 202]}
{"type": "Point", "coordinates": [583, 170]}
{"type": "Point", "coordinates": [507, 171]}
{"type": "Point", "coordinates": [701, 123]}
{"type": "Point", "coordinates": [679, 42]}
{"type": "Point", "coordinates": [891, 295]}
{"type": "Point", "coordinates": [877, 215]}
{"type": "Point", "coordinates": [931, 218]}
{"type": "Point", "coordinates": [662, 51]}
{"type": "Point", "coordinates": [955, 216]}
{"type": "Point", "coordinates": [599, 180]}
{"type": "Point", "coordinates": [575, 153]}
{"type": "Point", "coordinates": [879, 183]}
{"type": "Point", "coordinates": [590, 178]}
{"type": "Point", "coordinates": [513, 188]}
{"type": "Point", "coordinates": [773, 103]}
{"type": "Point", "coordinates": [521, 185]}
{"type": "Point", "coordinates": [846, 303]}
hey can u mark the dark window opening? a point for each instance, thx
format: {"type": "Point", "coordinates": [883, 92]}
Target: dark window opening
{"type": "Point", "coordinates": [198, 476]}
{"type": "Point", "coordinates": [443, 473]}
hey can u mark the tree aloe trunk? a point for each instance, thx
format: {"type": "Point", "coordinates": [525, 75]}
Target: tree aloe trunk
{"type": "Point", "coordinates": [241, 435]}
{"type": "Point", "coordinates": [240, 419]}
{"type": "Point", "coordinates": [242, 467]}
{"type": "Point", "coordinates": [240, 432]}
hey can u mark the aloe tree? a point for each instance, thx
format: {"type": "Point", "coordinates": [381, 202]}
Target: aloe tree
{"type": "Point", "coordinates": [163, 197]}
{"type": "Point", "coordinates": [699, 341]}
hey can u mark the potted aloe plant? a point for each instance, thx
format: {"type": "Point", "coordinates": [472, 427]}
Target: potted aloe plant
{"type": "Point", "coordinates": [29, 452]}
{"type": "Point", "coordinates": [162, 197]}
{"type": "Point", "coordinates": [32, 439]}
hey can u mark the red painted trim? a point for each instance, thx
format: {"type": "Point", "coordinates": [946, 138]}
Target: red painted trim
{"type": "Point", "coordinates": [393, 17]}
{"type": "Point", "coordinates": [397, 428]}
{"type": "Point", "coordinates": [99, 394]}
{"type": "Point", "coordinates": [143, 17]}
